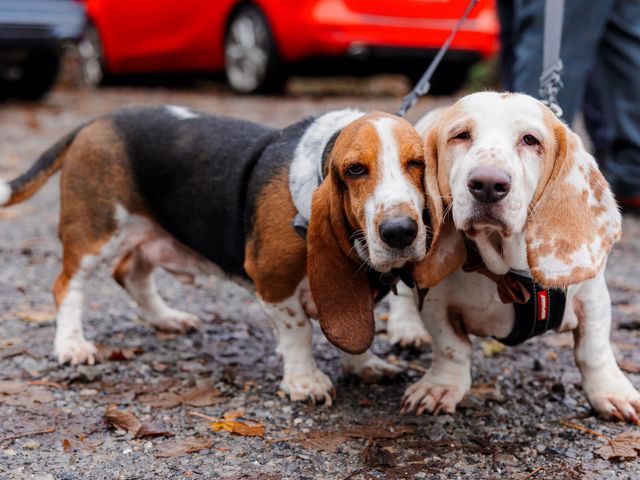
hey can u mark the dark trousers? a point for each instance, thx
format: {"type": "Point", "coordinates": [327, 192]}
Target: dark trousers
{"type": "Point", "coordinates": [601, 56]}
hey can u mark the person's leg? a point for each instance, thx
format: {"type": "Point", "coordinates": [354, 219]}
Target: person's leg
{"type": "Point", "coordinates": [597, 118]}
{"type": "Point", "coordinates": [619, 66]}
{"type": "Point", "coordinates": [583, 29]}
{"type": "Point", "coordinates": [507, 57]}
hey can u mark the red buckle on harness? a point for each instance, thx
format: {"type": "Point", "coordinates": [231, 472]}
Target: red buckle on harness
{"type": "Point", "coordinates": [543, 305]}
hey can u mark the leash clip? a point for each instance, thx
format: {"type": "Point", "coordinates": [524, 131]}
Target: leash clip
{"type": "Point", "coordinates": [550, 85]}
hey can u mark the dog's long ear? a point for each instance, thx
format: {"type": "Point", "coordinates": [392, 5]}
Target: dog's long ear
{"type": "Point", "coordinates": [574, 218]}
{"type": "Point", "coordinates": [446, 252]}
{"type": "Point", "coordinates": [339, 285]}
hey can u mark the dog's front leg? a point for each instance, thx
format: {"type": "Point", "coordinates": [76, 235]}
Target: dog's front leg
{"type": "Point", "coordinates": [302, 379]}
{"type": "Point", "coordinates": [609, 391]}
{"type": "Point", "coordinates": [405, 326]}
{"type": "Point", "coordinates": [449, 376]}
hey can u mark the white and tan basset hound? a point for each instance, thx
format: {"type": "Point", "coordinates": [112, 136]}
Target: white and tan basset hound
{"type": "Point", "coordinates": [519, 189]}
{"type": "Point", "coordinates": [199, 194]}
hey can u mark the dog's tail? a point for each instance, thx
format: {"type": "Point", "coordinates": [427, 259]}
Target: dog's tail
{"type": "Point", "coordinates": [26, 185]}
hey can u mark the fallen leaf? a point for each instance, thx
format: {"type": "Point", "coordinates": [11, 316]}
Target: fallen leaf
{"type": "Point", "coordinates": [122, 420]}
{"type": "Point", "coordinates": [629, 366]}
{"type": "Point", "coordinates": [66, 445]}
{"type": "Point", "coordinates": [202, 396]}
{"type": "Point", "coordinates": [379, 432]}
{"type": "Point", "coordinates": [487, 392]}
{"type": "Point", "coordinates": [183, 446]}
{"type": "Point", "coordinates": [40, 314]}
{"type": "Point", "coordinates": [11, 388]}
{"type": "Point", "coordinates": [492, 348]}
{"type": "Point", "coordinates": [198, 396]}
{"type": "Point", "coordinates": [155, 428]}
{"type": "Point", "coordinates": [560, 340]}
{"type": "Point", "coordinates": [230, 424]}
{"type": "Point", "coordinates": [128, 422]}
{"type": "Point", "coordinates": [322, 441]}
{"type": "Point", "coordinates": [28, 398]}
{"type": "Point", "coordinates": [615, 450]}
{"type": "Point", "coordinates": [161, 400]}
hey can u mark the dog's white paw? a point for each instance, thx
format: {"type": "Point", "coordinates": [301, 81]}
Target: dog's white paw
{"type": "Point", "coordinates": [74, 350]}
{"type": "Point", "coordinates": [314, 386]}
{"type": "Point", "coordinates": [426, 395]}
{"type": "Point", "coordinates": [615, 398]}
{"type": "Point", "coordinates": [176, 321]}
{"type": "Point", "coordinates": [408, 334]}
{"type": "Point", "coordinates": [369, 367]}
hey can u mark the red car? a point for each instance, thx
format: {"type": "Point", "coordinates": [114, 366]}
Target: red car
{"type": "Point", "coordinates": [259, 43]}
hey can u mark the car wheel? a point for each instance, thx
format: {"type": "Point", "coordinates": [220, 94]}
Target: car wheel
{"type": "Point", "coordinates": [448, 78]}
{"type": "Point", "coordinates": [37, 74]}
{"type": "Point", "coordinates": [252, 64]}
{"type": "Point", "coordinates": [91, 57]}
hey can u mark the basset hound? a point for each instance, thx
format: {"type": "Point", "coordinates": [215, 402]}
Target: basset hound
{"type": "Point", "coordinates": [530, 218]}
{"type": "Point", "coordinates": [200, 194]}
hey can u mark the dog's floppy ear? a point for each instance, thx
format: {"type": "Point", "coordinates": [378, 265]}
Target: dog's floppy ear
{"type": "Point", "coordinates": [574, 218]}
{"type": "Point", "coordinates": [339, 284]}
{"type": "Point", "coordinates": [446, 252]}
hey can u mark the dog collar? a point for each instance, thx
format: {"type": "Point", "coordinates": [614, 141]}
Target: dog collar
{"type": "Point", "coordinates": [537, 309]}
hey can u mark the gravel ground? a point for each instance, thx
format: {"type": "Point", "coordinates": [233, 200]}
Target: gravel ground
{"type": "Point", "coordinates": [51, 416]}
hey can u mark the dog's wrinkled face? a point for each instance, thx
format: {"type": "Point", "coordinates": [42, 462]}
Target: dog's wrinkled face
{"type": "Point", "coordinates": [494, 155]}
{"type": "Point", "coordinates": [378, 166]}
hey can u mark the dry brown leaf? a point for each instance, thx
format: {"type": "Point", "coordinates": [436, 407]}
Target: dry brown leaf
{"type": "Point", "coordinates": [615, 450]}
{"type": "Point", "coordinates": [28, 398]}
{"type": "Point", "coordinates": [122, 420]}
{"type": "Point", "coordinates": [322, 441]}
{"type": "Point", "coordinates": [161, 400]}
{"type": "Point", "coordinates": [629, 366]}
{"type": "Point", "coordinates": [198, 396]}
{"type": "Point", "coordinates": [154, 428]}
{"type": "Point", "coordinates": [40, 314]}
{"type": "Point", "coordinates": [202, 396]}
{"type": "Point", "coordinates": [128, 422]}
{"type": "Point", "coordinates": [183, 446]}
{"type": "Point", "coordinates": [560, 340]}
{"type": "Point", "coordinates": [492, 348]}
{"type": "Point", "coordinates": [11, 388]}
{"type": "Point", "coordinates": [230, 424]}
{"type": "Point", "coordinates": [487, 392]}
{"type": "Point", "coordinates": [379, 432]}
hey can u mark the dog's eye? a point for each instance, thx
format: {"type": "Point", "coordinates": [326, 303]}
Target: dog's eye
{"type": "Point", "coordinates": [356, 170]}
{"type": "Point", "coordinates": [415, 164]}
{"type": "Point", "coordinates": [530, 140]}
{"type": "Point", "coordinates": [463, 135]}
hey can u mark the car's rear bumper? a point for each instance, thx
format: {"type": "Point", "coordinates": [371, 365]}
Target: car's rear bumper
{"type": "Point", "coordinates": [331, 32]}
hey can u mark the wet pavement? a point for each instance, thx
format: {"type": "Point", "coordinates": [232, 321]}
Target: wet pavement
{"type": "Point", "coordinates": [518, 423]}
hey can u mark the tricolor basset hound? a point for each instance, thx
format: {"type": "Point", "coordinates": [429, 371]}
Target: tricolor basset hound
{"type": "Point", "coordinates": [518, 188]}
{"type": "Point", "coordinates": [199, 194]}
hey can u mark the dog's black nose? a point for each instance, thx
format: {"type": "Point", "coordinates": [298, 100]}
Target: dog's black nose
{"type": "Point", "coordinates": [399, 232]}
{"type": "Point", "coordinates": [489, 184]}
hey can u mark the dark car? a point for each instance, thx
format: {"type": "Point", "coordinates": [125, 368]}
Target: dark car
{"type": "Point", "coordinates": [32, 33]}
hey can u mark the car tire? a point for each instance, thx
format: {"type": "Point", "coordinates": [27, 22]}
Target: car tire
{"type": "Point", "coordinates": [448, 78]}
{"type": "Point", "coordinates": [251, 60]}
{"type": "Point", "coordinates": [91, 57]}
{"type": "Point", "coordinates": [38, 73]}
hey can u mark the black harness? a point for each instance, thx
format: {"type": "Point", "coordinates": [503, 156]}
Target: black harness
{"type": "Point", "coordinates": [543, 311]}
{"type": "Point", "coordinates": [536, 309]}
